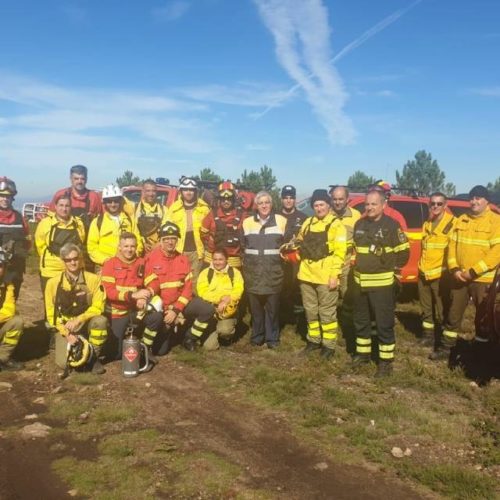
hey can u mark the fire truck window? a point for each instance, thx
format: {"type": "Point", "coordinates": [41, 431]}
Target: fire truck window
{"type": "Point", "coordinates": [458, 211]}
{"type": "Point", "coordinates": [411, 211]}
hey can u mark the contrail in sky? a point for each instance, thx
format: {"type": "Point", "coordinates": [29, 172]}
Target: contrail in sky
{"type": "Point", "coordinates": [348, 48]}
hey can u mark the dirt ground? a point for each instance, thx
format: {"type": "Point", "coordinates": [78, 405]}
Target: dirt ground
{"type": "Point", "coordinates": [176, 400]}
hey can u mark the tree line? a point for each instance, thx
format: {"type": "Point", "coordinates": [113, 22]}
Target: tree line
{"type": "Point", "coordinates": [421, 174]}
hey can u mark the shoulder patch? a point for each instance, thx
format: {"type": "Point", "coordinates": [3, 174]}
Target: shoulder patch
{"type": "Point", "coordinates": [402, 236]}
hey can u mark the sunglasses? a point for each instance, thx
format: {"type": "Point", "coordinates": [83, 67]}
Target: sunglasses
{"type": "Point", "coordinates": [436, 203]}
{"type": "Point", "coordinates": [71, 259]}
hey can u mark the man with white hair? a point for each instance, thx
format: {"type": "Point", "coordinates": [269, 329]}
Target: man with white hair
{"type": "Point", "coordinates": [263, 234]}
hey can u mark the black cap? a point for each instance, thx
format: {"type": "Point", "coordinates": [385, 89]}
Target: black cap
{"type": "Point", "coordinates": [320, 195]}
{"type": "Point", "coordinates": [288, 191]}
{"type": "Point", "coordinates": [479, 192]}
{"type": "Point", "coordinates": [169, 229]}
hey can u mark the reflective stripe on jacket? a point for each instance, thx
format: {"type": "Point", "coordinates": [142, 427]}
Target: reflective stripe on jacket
{"type": "Point", "coordinates": [48, 229]}
{"type": "Point", "coordinates": [475, 245]}
{"type": "Point", "coordinates": [170, 277]}
{"type": "Point", "coordinates": [120, 279]}
{"type": "Point", "coordinates": [102, 242]}
{"type": "Point", "coordinates": [262, 264]}
{"type": "Point", "coordinates": [320, 271]}
{"type": "Point", "coordinates": [435, 243]}
{"type": "Point", "coordinates": [177, 214]}
{"type": "Point", "coordinates": [220, 285]}
{"type": "Point", "coordinates": [89, 282]}
{"type": "Point", "coordinates": [381, 248]}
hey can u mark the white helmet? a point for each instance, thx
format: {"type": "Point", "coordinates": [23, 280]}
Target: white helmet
{"type": "Point", "coordinates": [112, 191]}
{"type": "Point", "coordinates": [187, 183]}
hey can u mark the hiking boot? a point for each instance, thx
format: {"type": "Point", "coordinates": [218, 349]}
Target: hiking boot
{"type": "Point", "coordinates": [360, 360]}
{"type": "Point", "coordinates": [153, 360]}
{"type": "Point", "coordinates": [384, 369]}
{"type": "Point", "coordinates": [309, 349]}
{"type": "Point", "coordinates": [426, 340]}
{"type": "Point", "coordinates": [440, 353]}
{"type": "Point", "coordinates": [11, 365]}
{"type": "Point", "coordinates": [327, 353]}
{"type": "Point", "coordinates": [97, 368]}
{"type": "Point", "coordinates": [189, 344]}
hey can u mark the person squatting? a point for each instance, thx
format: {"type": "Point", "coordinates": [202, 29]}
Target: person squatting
{"type": "Point", "coordinates": [179, 274]}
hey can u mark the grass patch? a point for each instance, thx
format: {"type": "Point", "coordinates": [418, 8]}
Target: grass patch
{"type": "Point", "coordinates": [85, 379]}
{"type": "Point", "coordinates": [214, 476]}
{"type": "Point", "coordinates": [111, 413]}
{"type": "Point", "coordinates": [452, 481]}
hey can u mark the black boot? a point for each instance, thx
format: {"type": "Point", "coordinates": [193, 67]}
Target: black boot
{"type": "Point", "coordinates": [384, 369]}
{"type": "Point", "coordinates": [309, 348]}
{"type": "Point", "coordinates": [11, 365]}
{"type": "Point", "coordinates": [190, 343]}
{"type": "Point", "coordinates": [97, 367]}
{"type": "Point", "coordinates": [360, 360]}
{"type": "Point", "coordinates": [440, 353]}
{"type": "Point", "coordinates": [327, 353]}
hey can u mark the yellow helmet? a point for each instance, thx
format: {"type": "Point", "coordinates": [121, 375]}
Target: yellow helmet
{"type": "Point", "coordinates": [80, 353]}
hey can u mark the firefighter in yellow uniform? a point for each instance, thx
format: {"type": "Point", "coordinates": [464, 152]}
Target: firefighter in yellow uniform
{"type": "Point", "coordinates": [149, 215]}
{"type": "Point", "coordinates": [433, 283]}
{"type": "Point", "coordinates": [222, 286]}
{"type": "Point", "coordinates": [188, 213]}
{"type": "Point", "coordinates": [322, 240]}
{"type": "Point", "coordinates": [11, 324]}
{"type": "Point", "coordinates": [74, 304]}
{"type": "Point", "coordinates": [105, 229]}
{"type": "Point", "coordinates": [473, 255]}
{"type": "Point", "coordinates": [52, 233]}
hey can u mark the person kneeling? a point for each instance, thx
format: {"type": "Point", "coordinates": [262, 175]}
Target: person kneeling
{"type": "Point", "coordinates": [221, 286]}
{"type": "Point", "coordinates": [11, 324]}
{"type": "Point", "coordinates": [74, 305]}
{"type": "Point", "coordinates": [130, 303]}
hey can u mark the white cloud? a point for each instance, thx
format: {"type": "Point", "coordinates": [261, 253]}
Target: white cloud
{"type": "Point", "coordinates": [171, 11]}
{"type": "Point", "coordinates": [486, 91]}
{"type": "Point", "coordinates": [301, 32]}
{"type": "Point", "coordinates": [242, 94]}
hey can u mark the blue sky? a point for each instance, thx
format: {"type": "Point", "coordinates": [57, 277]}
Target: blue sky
{"type": "Point", "coordinates": [316, 89]}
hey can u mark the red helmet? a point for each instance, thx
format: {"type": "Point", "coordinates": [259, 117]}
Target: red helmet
{"type": "Point", "coordinates": [290, 252]}
{"type": "Point", "coordinates": [384, 185]}
{"type": "Point", "coordinates": [226, 189]}
{"type": "Point", "coordinates": [7, 186]}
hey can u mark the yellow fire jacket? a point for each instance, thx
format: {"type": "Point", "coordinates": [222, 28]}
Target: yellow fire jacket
{"type": "Point", "coordinates": [330, 266]}
{"type": "Point", "coordinates": [50, 235]}
{"type": "Point", "coordinates": [148, 219]}
{"type": "Point", "coordinates": [220, 285]}
{"type": "Point", "coordinates": [104, 236]}
{"type": "Point", "coordinates": [177, 214]}
{"type": "Point", "coordinates": [475, 245]}
{"type": "Point", "coordinates": [435, 243]}
{"type": "Point", "coordinates": [89, 283]}
{"type": "Point", "coordinates": [8, 306]}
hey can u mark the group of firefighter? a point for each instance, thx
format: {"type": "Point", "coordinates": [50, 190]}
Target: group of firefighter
{"type": "Point", "coordinates": [187, 273]}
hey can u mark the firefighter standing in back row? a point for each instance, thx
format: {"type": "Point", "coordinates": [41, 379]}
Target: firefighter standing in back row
{"type": "Point", "coordinates": [15, 236]}
{"type": "Point", "coordinates": [149, 215]}
{"type": "Point", "coordinates": [11, 324]}
{"type": "Point", "coordinates": [290, 300]}
{"type": "Point", "coordinates": [322, 240]}
{"type": "Point", "coordinates": [433, 282]}
{"type": "Point", "coordinates": [473, 255]}
{"type": "Point", "coordinates": [105, 229]}
{"type": "Point", "coordinates": [382, 249]}
{"type": "Point", "coordinates": [221, 228]}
